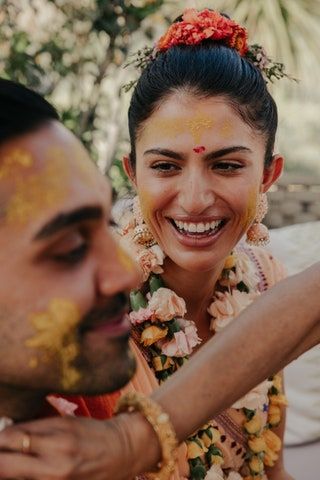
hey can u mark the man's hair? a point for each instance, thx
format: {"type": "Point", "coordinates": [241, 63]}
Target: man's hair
{"type": "Point", "coordinates": [22, 110]}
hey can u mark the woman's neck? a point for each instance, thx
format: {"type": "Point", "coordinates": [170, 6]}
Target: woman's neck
{"type": "Point", "coordinates": [196, 289]}
{"type": "Point", "coordinates": [20, 404]}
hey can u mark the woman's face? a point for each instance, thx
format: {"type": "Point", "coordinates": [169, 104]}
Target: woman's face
{"type": "Point", "coordinates": [199, 171]}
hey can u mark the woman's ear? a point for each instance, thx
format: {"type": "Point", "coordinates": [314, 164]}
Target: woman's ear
{"type": "Point", "coordinates": [272, 172]}
{"type": "Point", "coordinates": [127, 167]}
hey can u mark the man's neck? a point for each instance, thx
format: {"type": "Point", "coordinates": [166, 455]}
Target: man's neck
{"type": "Point", "coordinates": [20, 404]}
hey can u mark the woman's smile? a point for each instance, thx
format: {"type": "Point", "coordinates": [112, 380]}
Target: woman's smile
{"type": "Point", "coordinates": [195, 232]}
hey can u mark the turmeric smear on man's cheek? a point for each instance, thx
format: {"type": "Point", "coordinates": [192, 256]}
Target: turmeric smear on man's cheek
{"type": "Point", "coordinates": [56, 338]}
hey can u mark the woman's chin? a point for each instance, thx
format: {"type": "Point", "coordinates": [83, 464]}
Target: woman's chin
{"type": "Point", "coordinates": [194, 264]}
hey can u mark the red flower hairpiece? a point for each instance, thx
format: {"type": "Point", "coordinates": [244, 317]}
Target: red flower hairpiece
{"type": "Point", "coordinates": [196, 27]}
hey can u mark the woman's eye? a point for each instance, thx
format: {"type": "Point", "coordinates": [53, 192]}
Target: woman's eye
{"type": "Point", "coordinates": [227, 166]}
{"type": "Point", "coordinates": [164, 167]}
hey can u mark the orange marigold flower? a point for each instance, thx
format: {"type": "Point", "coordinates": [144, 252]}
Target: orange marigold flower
{"type": "Point", "coordinates": [198, 26]}
{"type": "Point", "coordinates": [239, 40]}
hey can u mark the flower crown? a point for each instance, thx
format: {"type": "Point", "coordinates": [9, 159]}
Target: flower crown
{"type": "Point", "coordinates": [196, 27]}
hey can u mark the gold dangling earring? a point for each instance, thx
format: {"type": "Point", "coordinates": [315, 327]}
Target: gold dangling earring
{"type": "Point", "coordinates": [258, 234]}
{"type": "Point", "coordinates": [141, 233]}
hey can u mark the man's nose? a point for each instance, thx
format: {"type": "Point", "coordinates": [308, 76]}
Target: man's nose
{"type": "Point", "coordinates": [117, 271]}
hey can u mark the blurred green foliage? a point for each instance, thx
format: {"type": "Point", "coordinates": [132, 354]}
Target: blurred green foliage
{"type": "Point", "coordinates": [67, 49]}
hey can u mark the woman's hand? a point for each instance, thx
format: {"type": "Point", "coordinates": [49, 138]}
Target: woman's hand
{"type": "Point", "coordinates": [71, 448]}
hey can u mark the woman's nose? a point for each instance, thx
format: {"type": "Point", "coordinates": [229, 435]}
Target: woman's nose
{"type": "Point", "coordinates": [196, 195]}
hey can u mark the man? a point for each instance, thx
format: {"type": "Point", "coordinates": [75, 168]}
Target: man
{"type": "Point", "coordinates": [62, 302]}
{"type": "Point", "coordinates": [63, 326]}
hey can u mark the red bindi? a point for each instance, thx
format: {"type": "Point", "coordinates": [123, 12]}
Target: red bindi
{"type": "Point", "coordinates": [199, 149]}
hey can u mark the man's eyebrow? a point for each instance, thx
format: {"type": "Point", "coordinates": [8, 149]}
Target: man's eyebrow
{"type": "Point", "coordinates": [226, 151]}
{"type": "Point", "coordinates": [65, 220]}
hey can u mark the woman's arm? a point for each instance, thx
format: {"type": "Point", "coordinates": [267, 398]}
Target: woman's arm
{"type": "Point", "coordinates": [287, 318]}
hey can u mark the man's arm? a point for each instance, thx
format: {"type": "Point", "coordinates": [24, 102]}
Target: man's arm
{"type": "Point", "coordinates": [286, 319]}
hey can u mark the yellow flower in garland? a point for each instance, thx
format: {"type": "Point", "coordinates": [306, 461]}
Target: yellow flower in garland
{"type": "Point", "coordinates": [256, 465]}
{"type": "Point", "coordinates": [257, 444]}
{"type": "Point", "coordinates": [274, 444]}
{"type": "Point", "coordinates": [274, 415]}
{"type": "Point", "coordinates": [270, 458]}
{"type": "Point", "coordinates": [254, 425]}
{"type": "Point", "coordinates": [206, 440]}
{"type": "Point", "coordinates": [216, 460]}
{"type": "Point", "coordinates": [152, 334]}
{"type": "Point", "coordinates": [209, 435]}
{"type": "Point", "coordinates": [195, 449]}
{"type": "Point", "coordinates": [161, 362]}
{"type": "Point", "coordinates": [278, 400]}
{"type": "Point", "coordinates": [230, 262]}
{"type": "Point", "coordinates": [277, 382]}
{"type": "Point", "coordinates": [272, 440]}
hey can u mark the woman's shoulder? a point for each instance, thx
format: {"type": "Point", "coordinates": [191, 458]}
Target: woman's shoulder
{"type": "Point", "coordinates": [269, 268]}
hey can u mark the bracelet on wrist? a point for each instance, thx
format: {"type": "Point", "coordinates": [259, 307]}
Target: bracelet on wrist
{"type": "Point", "coordinates": [161, 424]}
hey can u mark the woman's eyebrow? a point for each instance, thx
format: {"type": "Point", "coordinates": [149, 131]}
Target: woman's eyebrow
{"type": "Point", "coordinates": [225, 151]}
{"type": "Point", "coordinates": [208, 156]}
{"type": "Point", "coordinates": [67, 219]}
{"type": "Point", "coordinates": [164, 152]}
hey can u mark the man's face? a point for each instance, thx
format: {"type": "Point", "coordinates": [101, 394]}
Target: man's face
{"type": "Point", "coordinates": [62, 306]}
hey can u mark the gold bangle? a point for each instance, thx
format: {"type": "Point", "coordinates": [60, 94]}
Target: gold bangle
{"type": "Point", "coordinates": [161, 424]}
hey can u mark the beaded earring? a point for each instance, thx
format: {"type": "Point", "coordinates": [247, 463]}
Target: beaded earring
{"type": "Point", "coordinates": [258, 234]}
{"type": "Point", "coordinates": [141, 233]}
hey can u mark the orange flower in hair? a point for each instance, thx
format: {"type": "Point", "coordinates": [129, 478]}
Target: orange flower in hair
{"type": "Point", "coordinates": [239, 40]}
{"type": "Point", "coordinates": [196, 27]}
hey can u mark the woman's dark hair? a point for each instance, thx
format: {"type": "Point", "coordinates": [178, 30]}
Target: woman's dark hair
{"type": "Point", "coordinates": [22, 110]}
{"type": "Point", "coordinates": [205, 70]}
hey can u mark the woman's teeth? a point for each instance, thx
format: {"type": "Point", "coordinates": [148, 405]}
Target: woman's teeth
{"type": "Point", "coordinates": [199, 227]}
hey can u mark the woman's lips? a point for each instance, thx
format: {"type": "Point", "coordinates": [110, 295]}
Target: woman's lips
{"type": "Point", "coordinates": [197, 239]}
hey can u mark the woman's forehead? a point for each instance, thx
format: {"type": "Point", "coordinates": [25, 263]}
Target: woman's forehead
{"type": "Point", "coordinates": [212, 118]}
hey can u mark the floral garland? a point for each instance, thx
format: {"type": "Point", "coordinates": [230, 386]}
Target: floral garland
{"type": "Point", "coordinates": [196, 27]}
{"type": "Point", "coordinates": [168, 339]}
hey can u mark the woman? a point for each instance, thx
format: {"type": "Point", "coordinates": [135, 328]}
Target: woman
{"type": "Point", "coordinates": [202, 126]}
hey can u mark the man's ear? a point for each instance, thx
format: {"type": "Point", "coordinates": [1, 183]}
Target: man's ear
{"type": "Point", "coordinates": [272, 172]}
{"type": "Point", "coordinates": [127, 167]}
